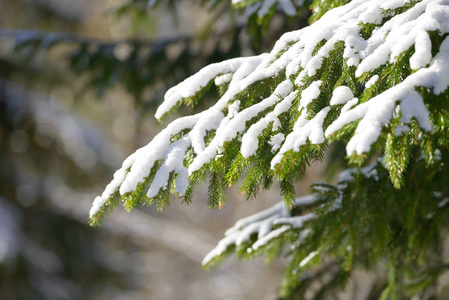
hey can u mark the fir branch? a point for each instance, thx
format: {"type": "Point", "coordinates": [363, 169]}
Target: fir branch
{"type": "Point", "coordinates": [370, 75]}
{"type": "Point", "coordinates": [216, 195]}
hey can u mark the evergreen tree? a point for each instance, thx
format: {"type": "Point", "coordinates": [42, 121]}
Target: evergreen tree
{"type": "Point", "coordinates": [370, 76]}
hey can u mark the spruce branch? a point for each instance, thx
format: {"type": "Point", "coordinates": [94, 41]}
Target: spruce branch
{"type": "Point", "coordinates": [370, 75]}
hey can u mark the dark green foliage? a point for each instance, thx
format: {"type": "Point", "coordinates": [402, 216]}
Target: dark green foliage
{"type": "Point", "coordinates": [195, 179]}
{"type": "Point", "coordinates": [136, 64]}
{"type": "Point", "coordinates": [239, 165]}
{"type": "Point", "coordinates": [259, 171]}
{"type": "Point", "coordinates": [287, 191]}
{"type": "Point", "coordinates": [362, 220]}
{"type": "Point", "coordinates": [256, 26]}
{"type": "Point", "coordinates": [215, 195]}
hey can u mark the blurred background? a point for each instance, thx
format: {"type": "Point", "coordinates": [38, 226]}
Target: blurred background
{"type": "Point", "coordinates": [79, 84]}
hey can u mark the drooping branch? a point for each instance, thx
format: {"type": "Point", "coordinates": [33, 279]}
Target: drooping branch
{"type": "Point", "coordinates": [363, 73]}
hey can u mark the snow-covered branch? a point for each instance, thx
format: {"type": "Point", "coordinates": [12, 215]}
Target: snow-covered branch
{"type": "Point", "coordinates": [337, 79]}
{"type": "Point", "coordinates": [261, 224]}
{"type": "Point", "coordinates": [258, 230]}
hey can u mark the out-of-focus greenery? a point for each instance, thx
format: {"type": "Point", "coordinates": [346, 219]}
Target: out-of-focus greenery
{"type": "Point", "coordinates": [147, 66]}
{"type": "Point", "coordinates": [54, 161]}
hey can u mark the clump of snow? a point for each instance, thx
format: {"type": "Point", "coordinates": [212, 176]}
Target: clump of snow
{"type": "Point", "coordinates": [412, 106]}
{"type": "Point", "coordinates": [392, 4]}
{"type": "Point", "coordinates": [372, 81]}
{"type": "Point", "coordinates": [423, 54]}
{"type": "Point", "coordinates": [223, 79]}
{"type": "Point", "coordinates": [341, 95]}
{"type": "Point", "coordinates": [233, 109]}
{"type": "Point", "coordinates": [207, 123]}
{"type": "Point", "coordinates": [276, 141]}
{"type": "Point", "coordinates": [303, 130]}
{"type": "Point", "coordinates": [100, 201]}
{"type": "Point", "coordinates": [97, 205]}
{"type": "Point", "coordinates": [310, 93]}
{"type": "Point", "coordinates": [141, 162]}
{"type": "Point", "coordinates": [250, 142]}
{"type": "Point", "coordinates": [443, 202]}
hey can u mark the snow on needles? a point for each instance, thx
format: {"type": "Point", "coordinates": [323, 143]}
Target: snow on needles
{"type": "Point", "coordinates": [256, 231]}
{"type": "Point", "coordinates": [261, 224]}
{"type": "Point", "coordinates": [293, 69]}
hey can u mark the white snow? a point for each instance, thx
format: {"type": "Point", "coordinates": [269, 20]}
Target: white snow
{"type": "Point", "coordinates": [392, 4]}
{"type": "Point", "coordinates": [99, 202]}
{"type": "Point", "coordinates": [296, 222]}
{"type": "Point", "coordinates": [423, 48]}
{"type": "Point", "coordinates": [233, 109]}
{"type": "Point", "coordinates": [270, 236]}
{"type": "Point", "coordinates": [207, 123]}
{"type": "Point", "coordinates": [372, 81]}
{"type": "Point", "coordinates": [378, 110]}
{"type": "Point", "coordinates": [276, 141]}
{"type": "Point", "coordinates": [310, 93]}
{"type": "Point", "coordinates": [193, 84]}
{"type": "Point", "coordinates": [143, 159]}
{"type": "Point", "coordinates": [223, 79]}
{"type": "Point", "coordinates": [237, 124]}
{"type": "Point", "coordinates": [250, 142]}
{"type": "Point", "coordinates": [303, 130]}
{"type": "Point", "coordinates": [97, 205]}
{"type": "Point", "coordinates": [261, 224]}
{"type": "Point", "coordinates": [308, 258]}
{"type": "Point", "coordinates": [412, 106]}
{"type": "Point", "coordinates": [173, 163]}
{"type": "Point", "coordinates": [401, 129]}
{"type": "Point", "coordinates": [443, 202]}
{"type": "Point", "coordinates": [341, 95]}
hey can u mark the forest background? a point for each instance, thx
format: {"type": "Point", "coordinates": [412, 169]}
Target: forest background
{"type": "Point", "coordinates": [79, 83]}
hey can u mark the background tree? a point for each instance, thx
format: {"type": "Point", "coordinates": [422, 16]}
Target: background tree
{"type": "Point", "coordinates": [60, 143]}
{"type": "Point", "coordinates": [369, 75]}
